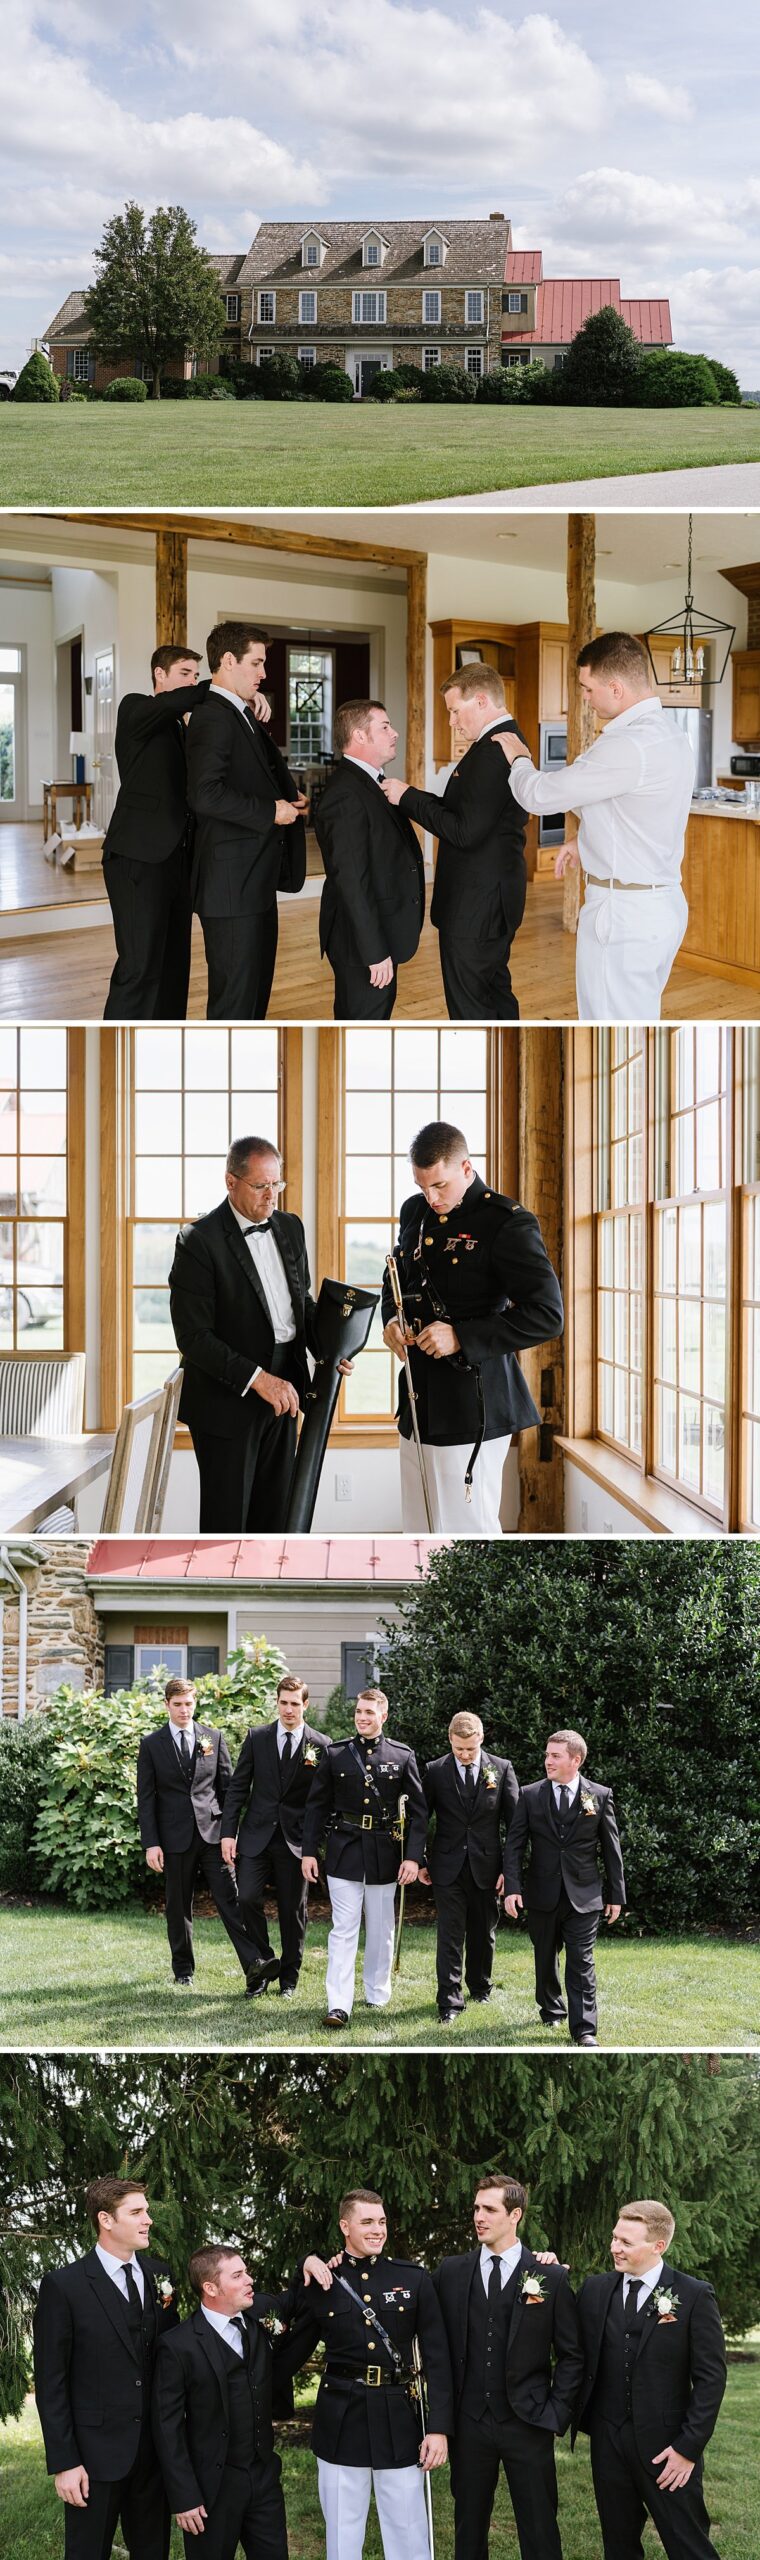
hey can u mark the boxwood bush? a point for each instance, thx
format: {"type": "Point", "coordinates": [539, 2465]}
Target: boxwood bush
{"type": "Point", "coordinates": [448, 382]}
{"type": "Point", "coordinates": [24, 1754]}
{"type": "Point", "coordinates": [670, 380]}
{"type": "Point", "coordinates": [126, 386]}
{"type": "Point", "coordinates": [325, 382]}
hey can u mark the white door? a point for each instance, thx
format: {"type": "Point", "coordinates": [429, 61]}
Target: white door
{"type": "Point", "coordinates": [13, 803]}
{"type": "Point", "coordinates": [103, 755]}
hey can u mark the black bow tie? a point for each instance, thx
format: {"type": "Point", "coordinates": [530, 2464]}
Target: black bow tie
{"type": "Point", "coordinates": [260, 1227]}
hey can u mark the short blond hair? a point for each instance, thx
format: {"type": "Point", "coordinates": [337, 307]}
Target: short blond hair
{"type": "Point", "coordinates": [659, 2223]}
{"type": "Point", "coordinates": [373, 1697]}
{"type": "Point", "coordinates": [464, 1725]}
{"type": "Point", "coordinates": [573, 1742]}
{"type": "Point", "coordinates": [477, 678]}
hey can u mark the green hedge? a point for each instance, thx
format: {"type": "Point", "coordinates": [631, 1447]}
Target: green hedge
{"type": "Point", "coordinates": [126, 386]}
{"type": "Point", "coordinates": [24, 1758]}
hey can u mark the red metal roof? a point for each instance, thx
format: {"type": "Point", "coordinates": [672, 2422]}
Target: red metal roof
{"type": "Point", "coordinates": [524, 266]}
{"type": "Point", "coordinates": [650, 322]}
{"type": "Point", "coordinates": [562, 305]}
{"type": "Point", "coordinates": [279, 1559]}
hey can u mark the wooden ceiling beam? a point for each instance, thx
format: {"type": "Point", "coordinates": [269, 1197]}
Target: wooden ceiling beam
{"type": "Point", "coordinates": [252, 537]}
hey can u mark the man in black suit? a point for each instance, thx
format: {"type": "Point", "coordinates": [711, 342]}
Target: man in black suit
{"type": "Point", "coordinates": [374, 1842]}
{"type": "Point", "coordinates": [268, 1789]}
{"type": "Point", "coordinates": [570, 1824]}
{"type": "Point", "coordinates": [480, 880]}
{"type": "Point", "coordinates": [470, 1796]}
{"type": "Point", "coordinates": [243, 1318]}
{"type": "Point", "coordinates": [183, 1772]}
{"type": "Point", "coordinates": [220, 2380]}
{"type": "Point", "coordinates": [146, 853]}
{"type": "Point", "coordinates": [512, 2327]}
{"type": "Point", "coordinates": [243, 798]}
{"type": "Point", "coordinates": [373, 901]}
{"type": "Point", "coordinates": [477, 1287]}
{"type": "Point", "coordinates": [655, 2374]}
{"type": "Point", "coordinates": [97, 2327]}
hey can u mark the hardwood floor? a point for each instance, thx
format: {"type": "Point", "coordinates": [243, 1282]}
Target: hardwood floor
{"type": "Point", "coordinates": [64, 978]}
{"type": "Point", "coordinates": [27, 880]}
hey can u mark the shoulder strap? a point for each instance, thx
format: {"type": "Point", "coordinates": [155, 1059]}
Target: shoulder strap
{"type": "Point", "coordinates": [371, 2317]}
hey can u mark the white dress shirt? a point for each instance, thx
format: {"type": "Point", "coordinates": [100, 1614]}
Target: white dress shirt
{"type": "Point", "coordinates": [243, 707]}
{"type": "Point", "coordinates": [223, 2323]}
{"type": "Point", "coordinates": [289, 1733]}
{"type": "Point", "coordinates": [268, 1263]}
{"type": "Point", "coordinates": [177, 1731]}
{"type": "Point", "coordinates": [572, 1785]}
{"type": "Point", "coordinates": [474, 1765]}
{"type": "Point", "coordinates": [510, 2260]}
{"type": "Point", "coordinates": [376, 771]}
{"type": "Point", "coordinates": [645, 2284]}
{"type": "Point", "coordinates": [633, 789]}
{"type": "Point", "coordinates": [115, 2268]}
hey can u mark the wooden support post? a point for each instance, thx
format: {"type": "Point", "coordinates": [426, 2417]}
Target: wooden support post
{"type": "Point", "coordinates": [542, 1189]}
{"type": "Point", "coordinates": [581, 621]}
{"type": "Point", "coordinates": [416, 659]}
{"type": "Point", "coordinates": [171, 588]}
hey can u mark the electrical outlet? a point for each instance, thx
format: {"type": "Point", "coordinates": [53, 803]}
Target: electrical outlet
{"type": "Point", "coordinates": [343, 1488]}
{"type": "Point", "coordinates": [608, 1530]}
{"type": "Point", "coordinates": [584, 1515]}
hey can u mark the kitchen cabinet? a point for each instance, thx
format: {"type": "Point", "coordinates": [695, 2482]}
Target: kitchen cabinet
{"type": "Point", "coordinates": [494, 642]}
{"type": "Point", "coordinates": [745, 718]}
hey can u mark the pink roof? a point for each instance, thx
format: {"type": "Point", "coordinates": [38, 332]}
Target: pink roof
{"type": "Point", "coordinates": [280, 1559]}
{"type": "Point", "coordinates": [562, 305]}
{"type": "Point", "coordinates": [650, 322]}
{"type": "Point", "coordinates": [524, 266]}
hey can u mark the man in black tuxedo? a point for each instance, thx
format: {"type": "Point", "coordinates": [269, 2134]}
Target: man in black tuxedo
{"type": "Point", "coordinates": [146, 853]}
{"type": "Point", "coordinates": [373, 901]}
{"type": "Point", "coordinates": [655, 2374]}
{"type": "Point", "coordinates": [243, 1318]}
{"type": "Point", "coordinates": [570, 1824]}
{"type": "Point", "coordinates": [516, 2357]}
{"type": "Point", "coordinates": [243, 799]}
{"type": "Point", "coordinates": [480, 880]}
{"type": "Point", "coordinates": [374, 1842]}
{"type": "Point", "coordinates": [470, 1796]}
{"type": "Point", "coordinates": [183, 1772]}
{"type": "Point", "coordinates": [220, 2380]}
{"type": "Point", "coordinates": [97, 2328]}
{"type": "Point", "coordinates": [269, 1788]}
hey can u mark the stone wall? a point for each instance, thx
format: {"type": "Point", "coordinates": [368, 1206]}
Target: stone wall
{"type": "Point", "coordinates": [64, 1636]}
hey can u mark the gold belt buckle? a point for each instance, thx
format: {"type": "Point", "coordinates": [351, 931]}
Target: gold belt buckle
{"type": "Point", "coordinates": [374, 2376]}
{"type": "Point", "coordinates": [366, 1821]}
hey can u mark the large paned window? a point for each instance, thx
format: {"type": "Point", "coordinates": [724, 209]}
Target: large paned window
{"type": "Point", "coordinates": [191, 1091]}
{"type": "Point", "coordinates": [620, 1235]}
{"type": "Point", "coordinates": [691, 1260]}
{"type": "Point", "coordinates": [33, 1187]}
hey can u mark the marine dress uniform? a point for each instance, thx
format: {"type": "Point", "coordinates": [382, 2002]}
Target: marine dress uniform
{"type": "Point", "coordinates": [484, 1268]}
{"type": "Point", "coordinates": [368, 2422]}
{"type": "Point", "coordinates": [355, 1804]}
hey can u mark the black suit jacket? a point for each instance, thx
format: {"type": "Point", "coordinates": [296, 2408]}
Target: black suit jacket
{"type": "Point", "coordinates": [480, 874]}
{"type": "Point", "coordinates": [258, 1794]}
{"type": "Point", "coordinates": [150, 811]}
{"type": "Point", "coordinates": [679, 2375]}
{"type": "Point", "coordinates": [500, 1293]}
{"type": "Point", "coordinates": [479, 1838]}
{"type": "Point", "coordinates": [544, 2364]}
{"type": "Point", "coordinates": [221, 1319]}
{"type": "Point", "coordinates": [589, 1855]}
{"type": "Point", "coordinates": [173, 1806]}
{"type": "Point", "coordinates": [338, 1790]}
{"type": "Point", "coordinates": [87, 2373]}
{"type": "Point", "coordinates": [235, 774]}
{"type": "Point", "coordinates": [373, 901]}
{"type": "Point", "coordinates": [191, 2410]}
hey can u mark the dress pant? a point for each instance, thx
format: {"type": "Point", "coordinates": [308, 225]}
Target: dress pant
{"type": "Point", "coordinates": [356, 1000]}
{"type": "Point", "coordinates": [468, 1916]}
{"type": "Point", "coordinates": [345, 2490]}
{"type": "Point", "coordinates": [253, 1873]}
{"type": "Point", "coordinates": [348, 1900]}
{"type": "Point", "coordinates": [181, 1870]}
{"type": "Point", "coordinates": [240, 957]}
{"type": "Point", "coordinates": [476, 980]}
{"type": "Point", "coordinates": [626, 945]}
{"type": "Point", "coordinates": [445, 1471]}
{"type": "Point", "coordinates": [249, 2511]}
{"type": "Point", "coordinates": [138, 2505]}
{"type": "Point", "coordinates": [245, 1482]}
{"type": "Point", "coordinates": [152, 920]}
{"type": "Point", "coordinates": [480, 2447]}
{"type": "Point", "coordinates": [627, 2489]}
{"type": "Point", "coordinates": [576, 1931]}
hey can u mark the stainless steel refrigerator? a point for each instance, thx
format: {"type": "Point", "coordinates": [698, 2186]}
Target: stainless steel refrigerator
{"type": "Point", "coordinates": [699, 728]}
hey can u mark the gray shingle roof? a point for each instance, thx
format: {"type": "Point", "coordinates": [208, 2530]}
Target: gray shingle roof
{"type": "Point", "coordinates": [68, 321]}
{"type": "Point", "coordinates": [477, 252]}
{"type": "Point", "coordinates": [227, 264]}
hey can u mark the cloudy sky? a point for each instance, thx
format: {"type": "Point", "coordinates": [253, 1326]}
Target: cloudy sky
{"type": "Point", "coordinates": [621, 142]}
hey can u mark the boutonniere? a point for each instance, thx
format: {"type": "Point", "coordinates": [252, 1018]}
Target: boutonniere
{"type": "Point", "coordinates": [588, 1802]}
{"type": "Point", "coordinates": [491, 1780]}
{"type": "Point", "coordinates": [165, 2291]}
{"type": "Point", "coordinates": [274, 2328]}
{"type": "Point", "coordinates": [533, 2291]}
{"type": "Point", "coordinates": [665, 2304]}
{"type": "Point", "coordinates": [205, 1744]}
{"type": "Point", "coordinates": [310, 1757]}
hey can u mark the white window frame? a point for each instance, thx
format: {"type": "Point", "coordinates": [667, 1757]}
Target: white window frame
{"type": "Point", "coordinates": [473, 362]}
{"type": "Point", "coordinates": [81, 367]}
{"type": "Point", "coordinates": [232, 305]}
{"type": "Point", "coordinates": [307, 356]}
{"type": "Point", "coordinates": [308, 318]}
{"type": "Point", "coordinates": [267, 295]}
{"type": "Point", "coordinates": [431, 357]}
{"type": "Point", "coordinates": [365, 319]}
{"type": "Point", "coordinates": [434, 252]}
{"type": "Point", "coordinates": [474, 294]}
{"type": "Point", "coordinates": [515, 355]}
{"type": "Point", "coordinates": [177, 1670]}
{"type": "Point", "coordinates": [517, 301]}
{"type": "Point", "coordinates": [312, 251]}
{"type": "Point", "coordinates": [372, 252]}
{"type": "Point", "coordinates": [263, 354]}
{"type": "Point", "coordinates": [431, 318]}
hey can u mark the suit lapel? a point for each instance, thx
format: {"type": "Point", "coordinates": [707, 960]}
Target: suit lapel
{"type": "Point", "coordinates": [172, 1755]}
{"type": "Point", "coordinates": [211, 2343]}
{"type": "Point", "coordinates": [469, 2269]}
{"type": "Point", "coordinates": [518, 2305]}
{"type": "Point", "coordinates": [112, 2300]}
{"type": "Point", "coordinates": [651, 2322]}
{"type": "Point", "coordinates": [289, 1258]}
{"type": "Point", "coordinates": [245, 1262]}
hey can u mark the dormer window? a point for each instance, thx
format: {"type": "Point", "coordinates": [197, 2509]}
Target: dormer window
{"type": "Point", "coordinates": [434, 248]}
{"type": "Point", "coordinates": [313, 249]}
{"type": "Point", "coordinates": [433, 253]}
{"type": "Point", "coordinates": [374, 249]}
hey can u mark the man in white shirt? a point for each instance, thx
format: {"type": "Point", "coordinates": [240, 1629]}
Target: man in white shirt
{"type": "Point", "coordinates": [633, 789]}
{"type": "Point", "coordinates": [262, 1830]}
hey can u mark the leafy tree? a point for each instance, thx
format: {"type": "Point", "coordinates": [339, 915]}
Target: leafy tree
{"type": "Point", "coordinates": [156, 291]}
{"type": "Point", "coordinates": [670, 380]}
{"type": "Point", "coordinates": [602, 365]}
{"type": "Point", "coordinates": [37, 381]}
{"type": "Point", "coordinates": [729, 388]}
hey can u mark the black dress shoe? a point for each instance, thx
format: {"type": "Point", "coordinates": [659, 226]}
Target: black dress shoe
{"type": "Point", "coordinates": [448, 2017]}
{"type": "Point", "coordinates": [336, 2018]}
{"type": "Point", "coordinates": [262, 1971]}
{"type": "Point", "coordinates": [560, 2021]}
{"type": "Point", "coordinates": [255, 1987]}
{"type": "Point", "coordinates": [585, 2039]}
{"type": "Point", "coordinates": [287, 1991]}
{"type": "Point", "coordinates": [480, 1998]}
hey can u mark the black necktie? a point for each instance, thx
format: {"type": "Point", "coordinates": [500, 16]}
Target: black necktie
{"type": "Point", "coordinates": [133, 2293]}
{"type": "Point", "coordinates": [260, 1227]}
{"type": "Point", "coordinates": [286, 1753]}
{"type": "Point", "coordinates": [238, 2323]}
{"type": "Point", "coordinates": [381, 777]}
{"type": "Point", "coordinates": [494, 2284]}
{"type": "Point", "coordinates": [469, 1785]}
{"type": "Point", "coordinates": [564, 1803]}
{"type": "Point", "coordinates": [184, 1751]}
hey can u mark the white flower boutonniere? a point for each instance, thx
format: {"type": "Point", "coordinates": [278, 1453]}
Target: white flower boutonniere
{"type": "Point", "coordinates": [533, 2291]}
{"type": "Point", "coordinates": [274, 2328]}
{"type": "Point", "coordinates": [492, 1780]}
{"type": "Point", "coordinates": [310, 1757]}
{"type": "Point", "coordinates": [664, 2303]}
{"type": "Point", "coordinates": [165, 2292]}
{"type": "Point", "coordinates": [588, 1802]}
{"type": "Point", "coordinates": [205, 1744]}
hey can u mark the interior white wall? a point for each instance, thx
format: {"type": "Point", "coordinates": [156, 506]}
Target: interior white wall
{"type": "Point", "coordinates": [26, 622]}
{"type": "Point", "coordinates": [87, 600]}
{"type": "Point", "coordinates": [592, 1511]}
{"type": "Point", "coordinates": [284, 592]}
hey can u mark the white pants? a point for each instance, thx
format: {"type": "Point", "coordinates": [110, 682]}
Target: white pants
{"type": "Point", "coordinates": [348, 1900]}
{"type": "Point", "coordinates": [626, 945]}
{"type": "Point", "coordinates": [344, 2496]}
{"type": "Point", "coordinates": [445, 1471]}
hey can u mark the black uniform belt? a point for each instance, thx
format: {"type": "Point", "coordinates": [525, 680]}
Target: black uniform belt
{"type": "Point", "coordinates": [365, 1822]}
{"type": "Point", "coordinates": [375, 2377]}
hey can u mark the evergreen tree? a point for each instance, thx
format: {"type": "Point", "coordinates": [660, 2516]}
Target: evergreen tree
{"type": "Point", "coordinates": [37, 380]}
{"type": "Point", "coordinates": [602, 365]}
{"type": "Point", "coordinates": [156, 292]}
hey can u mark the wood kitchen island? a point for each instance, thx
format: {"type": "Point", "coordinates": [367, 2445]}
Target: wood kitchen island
{"type": "Point", "coordinates": [721, 879]}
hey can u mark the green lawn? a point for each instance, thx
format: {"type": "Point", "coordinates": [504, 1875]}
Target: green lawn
{"type": "Point", "coordinates": [100, 1980]}
{"type": "Point", "coordinates": [273, 453]}
{"type": "Point", "coordinates": [33, 2523]}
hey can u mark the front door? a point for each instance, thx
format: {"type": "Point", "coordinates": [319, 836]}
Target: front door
{"type": "Point", "coordinates": [103, 759]}
{"type": "Point", "coordinates": [368, 367]}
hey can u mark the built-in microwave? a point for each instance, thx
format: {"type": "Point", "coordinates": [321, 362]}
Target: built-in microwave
{"type": "Point", "coordinates": [552, 751]}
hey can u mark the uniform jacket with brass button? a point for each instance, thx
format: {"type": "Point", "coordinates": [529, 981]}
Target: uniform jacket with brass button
{"type": "Point", "coordinates": [353, 1805]}
{"type": "Point", "coordinates": [486, 1267]}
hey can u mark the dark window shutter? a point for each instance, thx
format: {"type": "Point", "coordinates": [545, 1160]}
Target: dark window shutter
{"type": "Point", "coordinates": [201, 1658]}
{"type": "Point", "coordinates": [119, 1668]}
{"type": "Point", "coordinates": [357, 1665]}
{"type": "Point", "coordinates": [70, 360]}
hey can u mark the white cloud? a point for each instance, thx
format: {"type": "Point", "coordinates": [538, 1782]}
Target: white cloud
{"type": "Point", "coordinates": [658, 97]}
{"type": "Point", "coordinates": [715, 310]}
{"type": "Point", "coordinates": [619, 210]}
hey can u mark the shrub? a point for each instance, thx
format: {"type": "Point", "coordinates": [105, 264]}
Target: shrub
{"type": "Point", "coordinates": [448, 382]}
{"type": "Point", "coordinates": [603, 363]}
{"type": "Point", "coordinates": [126, 386]}
{"type": "Point", "coordinates": [729, 389]}
{"type": "Point", "coordinates": [506, 383]}
{"type": "Point", "coordinates": [325, 382]}
{"type": "Point", "coordinates": [337, 1716]}
{"type": "Point", "coordinates": [281, 378]}
{"type": "Point", "coordinates": [37, 380]}
{"type": "Point", "coordinates": [674, 381]}
{"type": "Point", "coordinates": [24, 1753]}
{"type": "Point", "coordinates": [543, 385]}
{"type": "Point", "coordinates": [400, 377]}
{"type": "Point", "coordinates": [208, 386]}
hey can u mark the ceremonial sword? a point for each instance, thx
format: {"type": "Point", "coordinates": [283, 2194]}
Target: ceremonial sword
{"type": "Point", "coordinates": [402, 1802]}
{"type": "Point", "coordinates": [392, 1270]}
{"type": "Point", "coordinates": [420, 2381]}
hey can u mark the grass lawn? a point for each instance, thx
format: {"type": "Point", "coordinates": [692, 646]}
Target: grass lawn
{"type": "Point", "coordinates": [278, 454]}
{"type": "Point", "coordinates": [105, 1980]}
{"type": "Point", "coordinates": [33, 2522]}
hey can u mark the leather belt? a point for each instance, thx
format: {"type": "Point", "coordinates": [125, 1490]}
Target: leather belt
{"type": "Point", "coordinates": [365, 1822]}
{"type": "Point", "coordinates": [374, 2377]}
{"type": "Point", "coordinates": [643, 886]}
